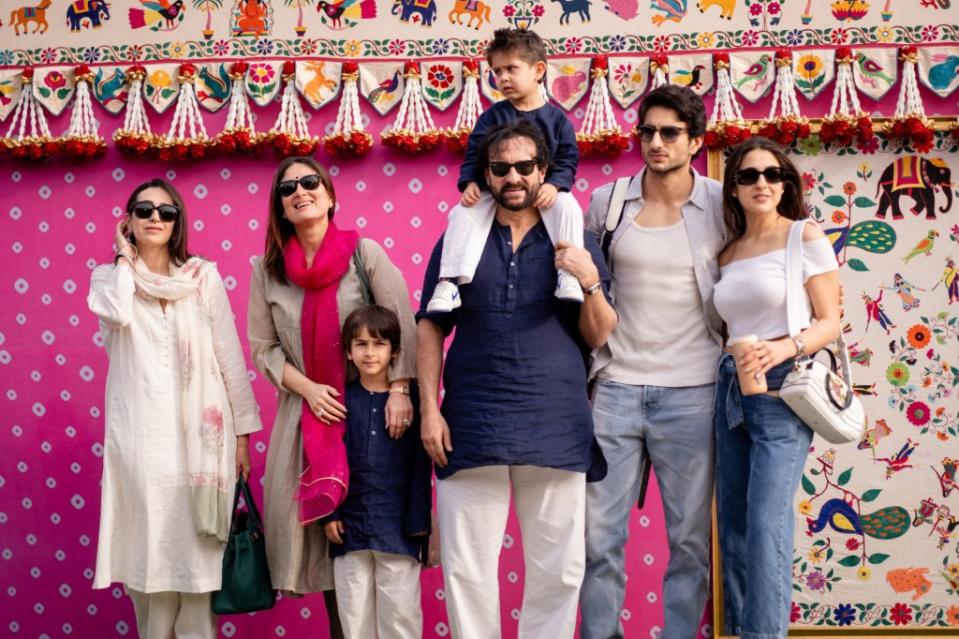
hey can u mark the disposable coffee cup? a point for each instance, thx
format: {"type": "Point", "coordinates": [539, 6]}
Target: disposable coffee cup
{"type": "Point", "coordinates": [749, 384]}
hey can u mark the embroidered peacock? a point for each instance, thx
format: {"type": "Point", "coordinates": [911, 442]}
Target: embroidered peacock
{"type": "Point", "coordinates": [886, 523]}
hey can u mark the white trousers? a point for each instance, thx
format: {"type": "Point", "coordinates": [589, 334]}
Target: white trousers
{"type": "Point", "coordinates": [473, 506]}
{"type": "Point", "coordinates": [183, 615]}
{"type": "Point", "coordinates": [469, 227]}
{"type": "Point", "coordinates": [378, 595]}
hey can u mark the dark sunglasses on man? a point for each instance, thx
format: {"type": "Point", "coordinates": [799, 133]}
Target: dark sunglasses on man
{"type": "Point", "coordinates": [666, 133]}
{"type": "Point", "coordinates": [144, 210]}
{"type": "Point", "coordinates": [524, 168]}
{"type": "Point", "coordinates": [748, 177]}
{"type": "Point", "coordinates": [286, 188]}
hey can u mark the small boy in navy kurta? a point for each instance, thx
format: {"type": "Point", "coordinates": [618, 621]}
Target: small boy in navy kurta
{"type": "Point", "coordinates": [379, 534]}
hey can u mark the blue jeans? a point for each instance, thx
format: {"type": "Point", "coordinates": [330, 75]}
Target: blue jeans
{"type": "Point", "coordinates": [761, 449]}
{"type": "Point", "coordinates": [674, 427]}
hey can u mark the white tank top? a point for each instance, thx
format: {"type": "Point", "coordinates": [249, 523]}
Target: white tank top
{"type": "Point", "coordinates": [750, 295]}
{"type": "Point", "coordinates": [661, 338]}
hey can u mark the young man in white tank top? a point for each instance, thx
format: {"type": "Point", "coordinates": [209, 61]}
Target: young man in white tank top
{"type": "Point", "coordinates": [655, 376]}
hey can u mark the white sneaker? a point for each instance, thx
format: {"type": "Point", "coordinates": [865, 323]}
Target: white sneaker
{"type": "Point", "coordinates": [568, 288]}
{"type": "Point", "coordinates": [446, 297]}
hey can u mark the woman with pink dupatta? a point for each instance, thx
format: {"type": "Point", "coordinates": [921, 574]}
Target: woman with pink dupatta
{"type": "Point", "coordinates": [301, 290]}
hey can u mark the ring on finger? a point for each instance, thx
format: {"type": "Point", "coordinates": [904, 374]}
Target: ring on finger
{"type": "Point", "coordinates": [407, 422]}
{"type": "Point", "coordinates": [321, 413]}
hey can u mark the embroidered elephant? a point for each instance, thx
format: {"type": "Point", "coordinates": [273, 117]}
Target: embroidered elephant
{"type": "Point", "coordinates": [426, 9]}
{"type": "Point", "coordinates": [726, 7]}
{"type": "Point", "coordinates": [92, 10]}
{"type": "Point", "coordinates": [917, 177]}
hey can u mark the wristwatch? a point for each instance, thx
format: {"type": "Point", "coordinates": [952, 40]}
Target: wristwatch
{"type": "Point", "coordinates": [405, 390]}
{"type": "Point", "coordinates": [800, 346]}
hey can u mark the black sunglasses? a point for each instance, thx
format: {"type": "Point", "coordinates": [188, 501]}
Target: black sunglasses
{"type": "Point", "coordinates": [667, 133]}
{"type": "Point", "coordinates": [144, 210]}
{"type": "Point", "coordinates": [286, 188]}
{"type": "Point", "coordinates": [524, 168]}
{"type": "Point", "coordinates": [748, 177]}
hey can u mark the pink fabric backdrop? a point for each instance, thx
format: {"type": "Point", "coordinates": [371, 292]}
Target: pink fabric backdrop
{"type": "Point", "coordinates": [57, 222]}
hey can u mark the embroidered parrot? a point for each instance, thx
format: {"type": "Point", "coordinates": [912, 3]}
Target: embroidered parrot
{"type": "Point", "coordinates": [870, 71]}
{"type": "Point", "coordinates": [386, 88]}
{"type": "Point", "coordinates": [871, 436]}
{"type": "Point", "coordinates": [942, 74]}
{"type": "Point", "coordinates": [887, 523]}
{"type": "Point", "coordinates": [350, 9]}
{"type": "Point", "coordinates": [154, 11]}
{"type": "Point", "coordinates": [688, 77]}
{"type": "Point", "coordinates": [755, 73]}
{"type": "Point", "coordinates": [924, 247]}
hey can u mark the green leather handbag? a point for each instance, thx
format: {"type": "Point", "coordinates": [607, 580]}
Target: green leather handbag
{"type": "Point", "coordinates": [246, 585]}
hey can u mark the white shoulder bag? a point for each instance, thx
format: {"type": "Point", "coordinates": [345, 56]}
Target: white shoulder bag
{"type": "Point", "coordinates": [822, 397]}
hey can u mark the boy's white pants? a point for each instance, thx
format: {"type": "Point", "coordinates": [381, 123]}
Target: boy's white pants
{"type": "Point", "coordinates": [378, 595]}
{"type": "Point", "coordinates": [469, 227]}
{"type": "Point", "coordinates": [473, 506]}
{"type": "Point", "coordinates": [184, 615]}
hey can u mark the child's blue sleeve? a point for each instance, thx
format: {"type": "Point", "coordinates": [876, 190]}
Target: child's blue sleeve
{"type": "Point", "coordinates": [468, 172]}
{"type": "Point", "coordinates": [566, 156]}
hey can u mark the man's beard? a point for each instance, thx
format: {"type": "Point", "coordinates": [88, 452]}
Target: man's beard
{"type": "Point", "coordinates": [500, 197]}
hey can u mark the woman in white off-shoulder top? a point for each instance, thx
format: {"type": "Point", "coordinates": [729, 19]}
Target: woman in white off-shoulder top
{"type": "Point", "coordinates": [761, 445]}
{"type": "Point", "coordinates": [179, 410]}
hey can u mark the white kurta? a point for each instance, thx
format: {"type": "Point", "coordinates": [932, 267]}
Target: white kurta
{"type": "Point", "coordinates": [147, 538]}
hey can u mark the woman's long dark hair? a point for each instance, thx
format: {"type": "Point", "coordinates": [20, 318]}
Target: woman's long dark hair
{"type": "Point", "coordinates": [791, 205]}
{"type": "Point", "coordinates": [177, 244]}
{"type": "Point", "coordinates": [281, 229]}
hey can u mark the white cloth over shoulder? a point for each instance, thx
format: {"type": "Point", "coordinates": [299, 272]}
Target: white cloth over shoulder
{"type": "Point", "coordinates": [469, 227]}
{"type": "Point", "coordinates": [147, 539]}
{"type": "Point", "coordinates": [751, 293]}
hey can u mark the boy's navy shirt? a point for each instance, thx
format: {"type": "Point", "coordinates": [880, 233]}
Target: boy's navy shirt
{"type": "Point", "coordinates": [389, 496]}
{"type": "Point", "coordinates": [556, 127]}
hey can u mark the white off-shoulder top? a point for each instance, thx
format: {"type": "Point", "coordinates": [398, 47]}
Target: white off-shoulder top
{"type": "Point", "coordinates": [751, 293]}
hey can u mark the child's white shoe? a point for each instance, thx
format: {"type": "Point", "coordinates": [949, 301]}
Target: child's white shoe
{"type": "Point", "coordinates": [568, 288]}
{"type": "Point", "coordinates": [446, 297]}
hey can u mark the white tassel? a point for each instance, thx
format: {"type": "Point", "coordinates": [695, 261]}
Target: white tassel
{"type": "Point", "coordinates": [659, 68]}
{"type": "Point", "coordinates": [785, 123]}
{"type": "Point", "coordinates": [187, 137]}
{"type": "Point", "coordinates": [910, 124]}
{"type": "Point", "coordinates": [81, 138]}
{"type": "Point", "coordinates": [348, 136]}
{"type": "Point", "coordinates": [135, 137]}
{"type": "Point", "coordinates": [726, 126]}
{"type": "Point", "coordinates": [600, 133]}
{"type": "Point", "coordinates": [413, 130]}
{"type": "Point", "coordinates": [846, 120]}
{"type": "Point", "coordinates": [469, 111]}
{"type": "Point", "coordinates": [239, 134]}
{"type": "Point", "coordinates": [290, 135]}
{"type": "Point", "coordinates": [28, 136]}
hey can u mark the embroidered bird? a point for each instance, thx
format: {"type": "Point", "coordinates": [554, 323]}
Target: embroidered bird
{"type": "Point", "coordinates": [899, 461]}
{"type": "Point", "coordinates": [688, 77]}
{"type": "Point", "coordinates": [947, 479]}
{"type": "Point", "coordinates": [924, 247]}
{"type": "Point", "coordinates": [155, 11]}
{"type": "Point", "coordinates": [871, 436]}
{"type": "Point", "coordinates": [354, 10]}
{"type": "Point", "coordinates": [942, 74]}
{"type": "Point", "coordinates": [386, 87]}
{"type": "Point", "coordinates": [886, 523]}
{"type": "Point", "coordinates": [756, 73]}
{"type": "Point", "coordinates": [871, 71]}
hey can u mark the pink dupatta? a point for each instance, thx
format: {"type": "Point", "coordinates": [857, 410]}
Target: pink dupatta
{"type": "Point", "coordinates": [325, 476]}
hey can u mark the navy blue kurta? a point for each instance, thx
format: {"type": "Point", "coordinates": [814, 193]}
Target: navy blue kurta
{"type": "Point", "coordinates": [389, 497]}
{"type": "Point", "coordinates": [515, 374]}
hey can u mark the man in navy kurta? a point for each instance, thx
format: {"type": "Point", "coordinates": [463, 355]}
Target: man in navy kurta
{"type": "Point", "coordinates": [515, 415]}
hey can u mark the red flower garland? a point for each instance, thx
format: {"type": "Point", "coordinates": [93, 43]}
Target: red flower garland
{"type": "Point", "coordinates": [607, 142]}
{"type": "Point", "coordinates": [405, 139]}
{"type": "Point", "coordinates": [911, 128]}
{"type": "Point", "coordinates": [456, 140]}
{"type": "Point", "coordinates": [239, 140]}
{"type": "Point", "coordinates": [32, 147]}
{"type": "Point", "coordinates": [85, 147]}
{"type": "Point", "coordinates": [350, 142]}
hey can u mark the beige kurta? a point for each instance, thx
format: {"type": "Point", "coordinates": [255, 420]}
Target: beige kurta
{"type": "Point", "coordinates": [299, 555]}
{"type": "Point", "coordinates": [147, 539]}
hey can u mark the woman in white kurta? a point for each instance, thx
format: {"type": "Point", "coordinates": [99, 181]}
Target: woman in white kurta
{"type": "Point", "coordinates": [179, 410]}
